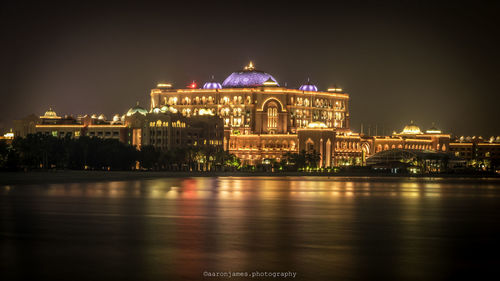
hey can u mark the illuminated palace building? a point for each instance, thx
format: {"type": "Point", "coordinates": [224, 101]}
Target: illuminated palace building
{"type": "Point", "coordinates": [263, 120]}
{"type": "Point", "coordinates": [252, 116]}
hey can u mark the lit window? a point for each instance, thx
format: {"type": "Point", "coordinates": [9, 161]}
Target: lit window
{"type": "Point", "coordinates": [272, 117]}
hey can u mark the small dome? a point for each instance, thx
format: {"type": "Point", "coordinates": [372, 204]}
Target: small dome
{"type": "Point", "coordinates": [308, 87]}
{"type": "Point", "coordinates": [248, 77]}
{"type": "Point", "coordinates": [116, 118]}
{"type": "Point", "coordinates": [411, 129]}
{"type": "Point", "coordinates": [102, 117]}
{"type": "Point", "coordinates": [212, 85]}
{"type": "Point", "coordinates": [137, 109]}
{"type": "Point", "coordinates": [433, 130]}
{"type": "Point", "coordinates": [50, 114]}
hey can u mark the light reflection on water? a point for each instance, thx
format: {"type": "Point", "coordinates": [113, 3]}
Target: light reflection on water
{"type": "Point", "coordinates": [237, 188]}
{"type": "Point", "coordinates": [176, 228]}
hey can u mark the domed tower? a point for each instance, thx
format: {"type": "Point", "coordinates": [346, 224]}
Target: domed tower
{"type": "Point", "coordinates": [247, 78]}
{"type": "Point", "coordinates": [50, 114]}
{"type": "Point", "coordinates": [137, 109]}
{"type": "Point", "coordinates": [212, 84]}
{"type": "Point", "coordinates": [411, 129]}
{"type": "Point", "coordinates": [50, 117]}
{"type": "Point", "coordinates": [308, 87]}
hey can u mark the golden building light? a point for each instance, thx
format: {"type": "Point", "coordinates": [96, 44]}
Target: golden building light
{"type": "Point", "coordinates": [164, 85]}
{"type": "Point", "coordinates": [334, 90]}
{"type": "Point", "coordinates": [249, 67]}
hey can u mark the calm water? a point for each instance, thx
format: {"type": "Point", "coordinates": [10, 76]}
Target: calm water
{"type": "Point", "coordinates": [323, 229]}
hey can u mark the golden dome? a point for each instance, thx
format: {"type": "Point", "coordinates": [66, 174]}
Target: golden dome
{"type": "Point", "coordinates": [411, 129]}
{"type": "Point", "coordinates": [50, 114]}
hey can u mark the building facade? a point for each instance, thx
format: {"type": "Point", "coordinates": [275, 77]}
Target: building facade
{"type": "Point", "coordinates": [479, 153]}
{"type": "Point", "coordinates": [164, 130]}
{"type": "Point", "coordinates": [261, 119]}
{"type": "Point", "coordinates": [68, 126]}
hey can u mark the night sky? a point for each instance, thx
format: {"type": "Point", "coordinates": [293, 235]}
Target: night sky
{"type": "Point", "coordinates": [422, 60]}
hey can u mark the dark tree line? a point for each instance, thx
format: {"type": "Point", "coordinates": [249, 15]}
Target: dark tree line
{"type": "Point", "coordinates": [38, 151]}
{"type": "Point", "coordinates": [199, 158]}
{"type": "Point", "coordinates": [302, 160]}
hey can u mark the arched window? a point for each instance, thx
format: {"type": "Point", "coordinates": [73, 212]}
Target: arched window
{"type": "Point", "coordinates": [309, 145]}
{"type": "Point", "coordinates": [272, 116]}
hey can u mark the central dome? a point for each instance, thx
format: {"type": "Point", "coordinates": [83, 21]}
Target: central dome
{"type": "Point", "coordinates": [248, 77]}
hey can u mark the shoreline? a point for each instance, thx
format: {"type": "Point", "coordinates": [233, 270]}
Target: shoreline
{"type": "Point", "coordinates": [70, 176]}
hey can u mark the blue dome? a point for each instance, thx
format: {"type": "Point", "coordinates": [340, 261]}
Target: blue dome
{"type": "Point", "coordinates": [249, 77]}
{"type": "Point", "coordinates": [212, 85]}
{"type": "Point", "coordinates": [309, 87]}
